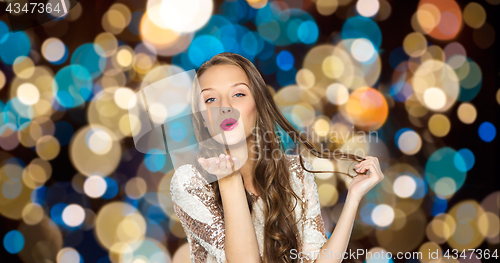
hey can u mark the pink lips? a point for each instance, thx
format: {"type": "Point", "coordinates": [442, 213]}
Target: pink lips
{"type": "Point", "coordinates": [228, 124]}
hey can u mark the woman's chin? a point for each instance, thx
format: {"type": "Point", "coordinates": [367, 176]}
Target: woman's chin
{"type": "Point", "coordinates": [231, 138]}
{"type": "Point", "coordinates": [233, 142]}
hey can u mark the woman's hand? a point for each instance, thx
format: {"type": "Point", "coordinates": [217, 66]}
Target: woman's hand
{"type": "Point", "coordinates": [221, 166]}
{"type": "Point", "coordinates": [361, 184]}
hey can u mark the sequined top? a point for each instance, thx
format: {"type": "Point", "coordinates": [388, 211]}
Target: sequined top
{"type": "Point", "coordinates": [203, 219]}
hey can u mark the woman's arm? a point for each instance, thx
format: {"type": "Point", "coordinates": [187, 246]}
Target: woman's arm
{"type": "Point", "coordinates": [241, 240]}
{"type": "Point", "coordinates": [333, 249]}
{"type": "Point", "coordinates": [336, 245]}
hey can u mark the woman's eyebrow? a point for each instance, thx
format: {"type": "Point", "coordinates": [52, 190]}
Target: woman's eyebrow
{"type": "Point", "coordinates": [232, 86]}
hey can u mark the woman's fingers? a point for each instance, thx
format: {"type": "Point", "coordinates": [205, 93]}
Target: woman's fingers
{"type": "Point", "coordinates": [371, 163]}
{"type": "Point", "coordinates": [364, 166]}
{"type": "Point", "coordinates": [224, 163]}
{"type": "Point", "coordinates": [376, 167]}
{"type": "Point", "coordinates": [213, 166]}
{"type": "Point", "coordinates": [367, 167]}
{"type": "Point", "coordinates": [229, 164]}
{"type": "Point", "coordinates": [361, 168]}
{"type": "Point", "coordinates": [221, 165]}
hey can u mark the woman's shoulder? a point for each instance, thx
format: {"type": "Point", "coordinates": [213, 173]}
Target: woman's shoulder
{"type": "Point", "coordinates": [192, 196]}
{"type": "Point", "coordinates": [295, 161]}
{"type": "Point", "coordinates": [187, 178]}
{"type": "Point", "coordinates": [296, 167]}
{"type": "Point", "coordinates": [187, 172]}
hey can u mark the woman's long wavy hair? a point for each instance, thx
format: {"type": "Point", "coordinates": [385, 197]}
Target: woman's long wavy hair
{"type": "Point", "coordinates": [271, 167]}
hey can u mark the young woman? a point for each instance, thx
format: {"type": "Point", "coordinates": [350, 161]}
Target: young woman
{"type": "Point", "coordinates": [249, 213]}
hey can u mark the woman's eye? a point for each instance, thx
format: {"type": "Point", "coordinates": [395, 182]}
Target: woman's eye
{"type": "Point", "coordinates": [212, 99]}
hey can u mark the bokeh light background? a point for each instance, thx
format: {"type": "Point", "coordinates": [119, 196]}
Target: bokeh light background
{"type": "Point", "coordinates": [411, 82]}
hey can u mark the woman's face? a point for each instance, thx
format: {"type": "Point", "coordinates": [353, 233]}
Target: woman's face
{"type": "Point", "coordinates": [227, 103]}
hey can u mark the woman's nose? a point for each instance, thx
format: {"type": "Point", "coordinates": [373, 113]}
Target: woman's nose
{"type": "Point", "coordinates": [224, 110]}
{"type": "Point", "coordinates": [225, 107]}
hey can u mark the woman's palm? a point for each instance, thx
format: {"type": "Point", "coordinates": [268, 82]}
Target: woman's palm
{"type": "Point", "coordinates": [221, 166]}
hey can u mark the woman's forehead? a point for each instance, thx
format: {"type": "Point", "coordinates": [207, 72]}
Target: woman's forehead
{"type": "Point", "coordinates": [222, 76]}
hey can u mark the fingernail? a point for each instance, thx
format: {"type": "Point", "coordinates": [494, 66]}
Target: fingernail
{"type": "Point", "coordinates": [217, 161]}
{"type": "Point", "coordinates": [234, 158]}
{"type": "Point", "coordinates": [227, 157]}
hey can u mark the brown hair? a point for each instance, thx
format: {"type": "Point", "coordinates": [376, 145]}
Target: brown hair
{"type": "Point", "coordinates": [271, 171]}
